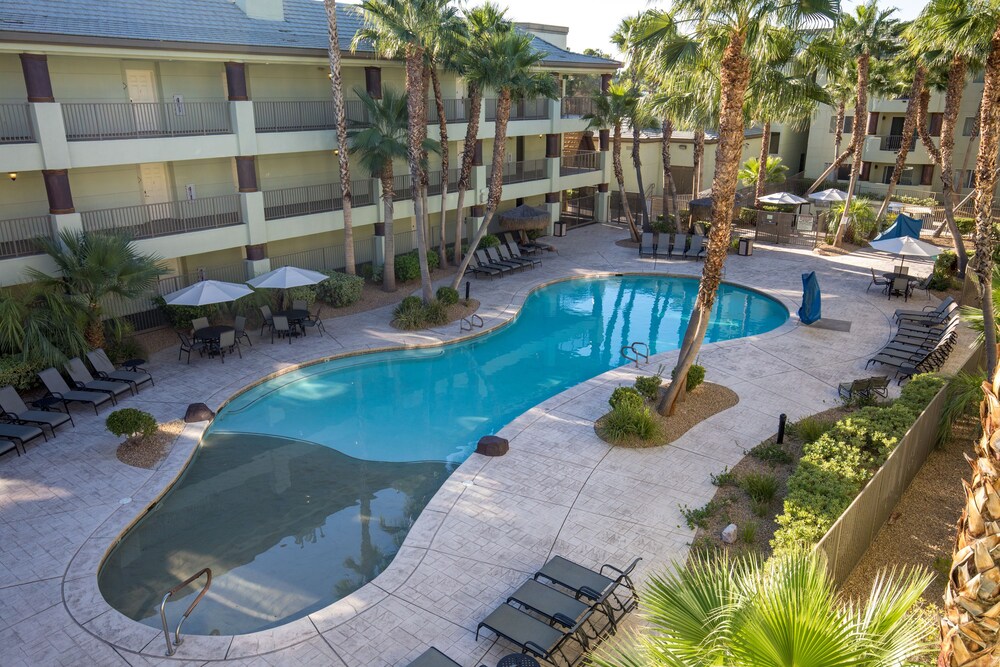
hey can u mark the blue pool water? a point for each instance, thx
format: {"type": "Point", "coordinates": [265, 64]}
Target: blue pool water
{"type": "Point", "coordinates": [304, 486]}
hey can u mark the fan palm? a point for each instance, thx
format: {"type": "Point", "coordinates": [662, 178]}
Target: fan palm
{"type": "Point", "coordinates": [782, 613]}
{"type": "Point", "coordinates": [42, 325]}
{"type": "Point", "coordinates": [93, 267]}
{"type": "Point", "coordinates": [774, 171]}
{"type": "Point", "coordinates": [340, 116]}
{"type": "Point", "coordinates": [918, 80]}
{"type": "Point", "coordinates": [611, 110]}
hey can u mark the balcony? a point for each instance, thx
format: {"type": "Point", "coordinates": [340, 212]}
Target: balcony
{"type": "Point", "coordinates": [298, 116]}
{"type": "Point", "coordinates": [147, 221]}
{"type": "Point", "coordinates": [894, 143]}
{"type": "Point", "coordinates": [15, 124]}
{"type": "Point", "coordinates": [127, 120]}
{"type": "Point", "coordinates": [455, 111]}
{"type": "Point", "coordinates": [577, 106]}
{"type": "Point", "coordinates": [17, 236]}
{"type": "Point", "coordinates": [536, 109]}
{"type": "Point", "coordinates": [521, 172]}
{"type": "Point", "coordinates": [401, 189]}
{"type": "Point", "coordinates": [310, 199]}
{"type": "Point", "coordinates": [579, 163]}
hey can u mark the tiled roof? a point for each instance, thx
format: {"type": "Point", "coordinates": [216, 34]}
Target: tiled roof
{"type": "Point", "coordinates": [215, 22]}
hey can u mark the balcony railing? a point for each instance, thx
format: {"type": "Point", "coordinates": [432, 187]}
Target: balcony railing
{"type": "Point", "coordinates": [296, 116]}
{"type": "Point", "coordinates": [577, 106]}
{"type": "Point", "coordinates": [455, 111]}
{"type": "Point", "coordinates": [309, 199]}
{"type": "Point", "coordinates": [128, 120]}
{"type": "Point", "coordinates": [401, 189]}
{"type": "Point", "coordinates": [163, 219]}
{"type": "Point", "coordinates": [17, 236]}
{"type": "Point", "coordinates": [520, 172]}
{"type": "Point", "coordinates": [15, 124]}
{"type": "Point", "coordinates": [577, 163]}
{"type": "Point", "coordinates": [895, 142]}
{"type": "Point", "coordinates": [536, 109]}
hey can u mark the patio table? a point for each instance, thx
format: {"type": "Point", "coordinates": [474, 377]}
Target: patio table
{"type": "Point", "coordinates": [295, 317]}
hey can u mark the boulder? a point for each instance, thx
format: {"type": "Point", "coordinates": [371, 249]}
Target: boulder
{"type": "Point", "coordinates": [729, 534]}
{"type": "Point", "coordinates": [492, 445]}
{"type": "Point", "coordinates": [198, 412]}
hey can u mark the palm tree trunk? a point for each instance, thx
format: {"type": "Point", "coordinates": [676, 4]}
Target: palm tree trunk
{"type": "Point", "coordinates": [389, 265]}
{"type": "Point", "coordinates": [765, 145]}
{"type": "Point", "coordinates": [616, 163]}
{"type": "Point", "coordinates": [838, 136]}
{"type": "Point", "coordinates": [669, 187]}
{"type": "Point", "coordinates": [343, 157]}
{"type": "Point", "coordinates": [699, 156]}
{"type": "Point", "coordinates": [833, 167]}
{"type": "Point", "coordinates": [496, 179]}
{"type": "Point", "coordinates": [416, 100]}
{"type": "Point", "coordinates": [443, 127]}
{"type": "Point", "coordinates": [734, 77]}
{"type": "Point", "coordinates": [909, 126]}
{"type": "Point", "coordinates": [857, 141]}
{"type": "Point", "coordinates": [637, 163]}
{"type": "Point", "coordinates": [952, 103]}
{"type": "Point", "coordinates": [465, 177]}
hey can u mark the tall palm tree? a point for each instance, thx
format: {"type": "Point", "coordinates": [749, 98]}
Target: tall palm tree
{"type": "Point", "coordinates": [611, 110]}
{"type": "Point", "coordinates": [774, 171]}
{"type": "Point", "coordinates": [377, 145]}
{"type": "Point", "coordinates": [473, 64]}
{"type": "Point", "coordinates": [918, 81]}
{"type": "Point", "coordinates": [340, 116]}
{"type": "Point", "coordinates": [641, 117]}
{"type": "Point", "coordinates": [734, 35]}
{"type": "Point", "coordinates": [782, 613]}
{"type": "Point", "coordinates": [93, 267]}
{"type": "Point", "coordinates": [513, 76]}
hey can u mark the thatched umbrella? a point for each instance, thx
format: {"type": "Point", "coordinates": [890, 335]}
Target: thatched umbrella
{"type": "Point", "coordinates": [524, 217]}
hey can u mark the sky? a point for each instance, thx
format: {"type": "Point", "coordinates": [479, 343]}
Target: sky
{"type": "Point", "coordinates": [591, 22]}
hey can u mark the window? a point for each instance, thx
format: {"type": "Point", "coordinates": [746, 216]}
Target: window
{"type": "Point", "coordinates": [970, 124]}
{"type": "Point", "coordinates": [775, 140]}
{"type": "Point", "coordinates": [848, 124]}
{"type": "Point", "coordinates": [844, 172]}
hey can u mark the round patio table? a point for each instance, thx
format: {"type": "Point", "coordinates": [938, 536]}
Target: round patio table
{"type": "Point", "coordinates": [295, 317]}
{"type": "Point", "coordinates": [212, 333]}
{"type": "Point", "coordinates": [518, 660]}
{"type": "Point", "coordinates": [893, 276]}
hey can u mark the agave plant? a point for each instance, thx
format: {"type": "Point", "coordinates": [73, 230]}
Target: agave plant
{"type": "Point", "coordinates": [781, 613]}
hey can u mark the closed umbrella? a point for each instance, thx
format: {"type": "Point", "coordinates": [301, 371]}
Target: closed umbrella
{"type": "Point", "coordinates": [286, 277]}
{"type": "Point", "coordinates": [207, 292]}
{"type": "Point", "coordinates": [906, 246]}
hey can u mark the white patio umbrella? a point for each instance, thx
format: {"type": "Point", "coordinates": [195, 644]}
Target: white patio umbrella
{"type": "Point", "coordinates": [906, 246]}
{"type": "Point", "coordinates": [286, 277]}
{"type": "Point", "coordinates": [207, 292]}
{"type": "Point", "coordinates": [786, 198]}
{"type": "Point", "coordinates": [829, 196]}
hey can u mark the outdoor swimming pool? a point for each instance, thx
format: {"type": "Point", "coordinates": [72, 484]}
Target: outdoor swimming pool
{"type": "Point", "coordinates": [305, 486]}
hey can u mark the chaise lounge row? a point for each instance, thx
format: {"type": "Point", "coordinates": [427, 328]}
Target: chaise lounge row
{"type": "Point", "coordinates": [669, 245]}
{"type": "Point", "coordinates": [923, 340]}
{"type": "Point", "coordinates": [500, 260]}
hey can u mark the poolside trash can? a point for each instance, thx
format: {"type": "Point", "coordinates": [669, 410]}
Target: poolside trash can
{"type": "Point", "coordinates": [746, 246]}
{"type": "Point", "coordinates": [560, 229]}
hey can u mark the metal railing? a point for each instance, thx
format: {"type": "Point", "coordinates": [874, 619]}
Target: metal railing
{"type": "Point", "coordinates": [523, 171]}
{"type": "Point", "coordinates": [172, 648]}
{"type": "Point", "coordinates": [17, 236]}
{"type": "Point", "coordinates": [306, 200]}
{"type": "Point", "coordinates": [455, 110]}
{"type": "Point", "coordinates": [166, 218]}
{"type": "Point", "coordinates": [534, 109]}
{"type": "Point", "coordinates": [15, 124]}
{"type": "Point", "coordinates": [294, 116]}
{"type": "Point", "coordinates": [575, 163]}
{"type": "Point", "coordinates": [138, 120]}
{"type": "Point", "coordinates": [895, 142]}
{"type": "Point", "coordinates": [577, 106]}
{"type": "Point", "coordinates": [402, 190]}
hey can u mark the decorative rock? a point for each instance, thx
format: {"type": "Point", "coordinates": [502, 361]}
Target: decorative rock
{"type": "Point", "coordinates": [492, 445]}
{"type": "Point", "coordinates": [729, 534]}
{"type": "Point", "coordinates": [198, 412]}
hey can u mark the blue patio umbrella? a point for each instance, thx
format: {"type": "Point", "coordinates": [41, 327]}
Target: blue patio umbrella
{"type": "Point", "coordinates": [903, 226]}
{"type": "Point", "coordinates": [810, 310]}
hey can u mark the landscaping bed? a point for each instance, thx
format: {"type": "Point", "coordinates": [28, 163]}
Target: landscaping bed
{"type": "Point", "coordinates": [147, 452]}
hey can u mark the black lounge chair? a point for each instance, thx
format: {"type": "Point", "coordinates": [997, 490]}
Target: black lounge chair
{"type": "Point", "coordinates": [523, 262]}
{"type": "Point", "coordinates": [433, 658]}
{"type": "Point", "coordinates": [56, 388]}
{"type": "Point", "coordinates": [7, 445]}
{"type": "Point", "coordinates": [584, 582]}
{"type": "Point", "coordinates": [646, 246]}
{"type": "Point", "coordinates": [494, 256]}
{"type": "Point", "coordinates": [484, 261]}
{"type": "Point", "coordinates": [926, 310]}
{"type": "Point", "coordinates": [478, 270]}
{"type": "Point", "coordinates": [82, 379]}
{"type": "Point", "coordinates": [664, 245]}
{"type": "Point", "coordinates": [527, 247]}
{"type": "Point", "coordinates": [515, 253]}
{"type": "Point", "coordinates": [15, 409]}
{"type": "Point", "coordinates": [533, 636]}
{"type": "Point", "coordinates": [679, 245]}
{"type": "Point", "coordinates": [135, 375]}
{"type": "Point", "coordinates": [930, 318]}
{"type": "Point", "coordinates": [21, 433]}
{"type": "Point", "coordinates": [559, 608]}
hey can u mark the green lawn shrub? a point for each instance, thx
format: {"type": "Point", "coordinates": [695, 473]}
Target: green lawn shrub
{"type": "Point", "coordinates": [340, 290]}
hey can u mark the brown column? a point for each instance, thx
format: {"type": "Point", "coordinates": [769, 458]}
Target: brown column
{"type": "Point", "coordinates": [551, 197]}
{"type": "Point", "coordinates": [602, 187]}
{"type": "Point", "coordinates": [872, 122]}
{"type": "Point", "coordinates": [236, 82]}
{"type": "Point", "coordinates": [604, 137]}
{"type": "Point", "coordinates": [478, 211]}
{"type": "Point", "coordinates": [256, 252]}
{"type": "Point", "coordinates": [477, 155]}
{"type": "Point", "coordinates": [519, 201]}
{"type": "Point", "coordinates": [36, 77]}
{"type": "Point", "coordinates": [373, 82]}
{"type": "Point", "coordinates": [552, 145]}
{"type": "Point", "coordinates": [57, 189]}
{"type": "Point", "coordinates": [927, 175]}
{"type": "Point", "coordinates": [246, 172]}
{"type": "Point", "coordinates": [605, 83]}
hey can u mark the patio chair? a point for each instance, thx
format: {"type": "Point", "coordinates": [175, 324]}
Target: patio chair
{"type": "Point", "coordinates": [932, 317]}
{"type": "Point", "coordinates": [227, 341]}
{"type": "Point", "coordinates": [106, 370]}
{"type": "Point", "coordinates": [280, 327]}
{"type": "Point", "coordinates": [56, 388]}
{"type": "Point", "coordinates": [664, 245]}
{"type": "Point", "coordinates": [903, 271]}
{"type": "Point", "coordinates": [13, 406]}
{"type": "Point", "coordinates": [849, 390]}
{"type": "Point", "coordinates": [697, 247]}
{"type": "Point", "coordinates": [899, 287]}
{"type": "Point", "coordinates": [525, 246]}
{"type": "Point", "coordinates": [496, 259]}
{"type": "Point", "coordinates": [314, 321]}
{"type": "Point", "coordinates": [523, 261]}
{"type": "Point", "coordinates": [878, 281]}
{"type": "Point", "coordinates": [265, 312]}
{"type": "Point", "coordinates": [590, 584]}
{"type": "Point", "coordinates": [558, 607]}
{"type": "Point", "coordinates": [647, 248]}
{"type": "Point", "coordinates": [21, 433]}
{"type": "Point", "coordinates": [199, 323]}
{"type": "Point", "coordinates": [433, 658]}
{"type": "Point", "coordinates": [516, 252]}
{"type": "Point", "coordinates": [532, 635]}
{"type": "Point", "coordinates": [240, 324]}
{"type": "Point", "coordinates": [679, 245]}
{"type": "Point", "coordinates": [480, 271]}
{"type": "Point", "coordinates": [880, 386]}
{"type": "Point", "coordinates": [82, 379]}
{"type": "Point", "coordinates": [188, 346]}
{"type": "Point", "coordinates": [926, 310]}
{"type": "Point", "coordinates": [924, 284]}
{"type": "Point", "coordinates": [299, 304]}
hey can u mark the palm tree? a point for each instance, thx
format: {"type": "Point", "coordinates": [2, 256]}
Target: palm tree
{"type": "Point", "coordinates": [93, 267]}
{"type": "Point", "coordinates": [513, 76]}
{"type": "Point", "coordinates": [734, 35]}
{"type": "Point", "coordinates": [774, 171]}
{"type": "Point", "coordinates": [641, 117]}
{"type": "Point", "coordinates": [782, 613]}
{"type": "Point", "coordinates": [42, 325]}
{"type": "Point", "coordinates": [909, 128]}
{"type": "Point", "coordinates": [377, 146]}
{"type": "Point", "coordinates": [611, 110]}
{"type": "Point", "coordinates": [340, 115]}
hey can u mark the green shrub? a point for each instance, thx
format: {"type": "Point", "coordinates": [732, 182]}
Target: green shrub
{"type": "Point", "coordinates": [748, 216]}
{"type": "Point", "coordinates": [771, 452]}
{"type": "Point", "coordinates": [120, 343]}
{"type": "Point", "coordinates": [808, 429]}
{"type": "Point", "coordinates": [761, 508]}
{"type": "Point", "coordinates": [131, 423]}
{"type": "Point", "coordinates": [407, 267]}
{"type": "Point", "coordinates": [412, 313]}
{"type": "Point", "coordinates": [915, 201]}
{"type": "Point", "coordinates": [180, 317]}
{"type": "Point", "coordinates": [626, 420]}
{"type": "Point", "coordinates": [761, 487]}
{"type": "Point", "coordinates": [625, 397]}
{"type": "Point", "coordinates": [305, 293]}
{"type": "Point", "coordinates": [941, 280]}
{"type": "Point", "coordinates": [19, 373]}
{"type": "Point", "coordinates": [696, 375]}
{"type": "Point", "coordinates": [966, 226]}
{"type": "Point", "coordinates": [340, 290]}
{"type": "Point", "coordinates": [489, 241]}
{"type": "Point", "coordinates": [664, 225]}
{"type": "Point", "coordinates": [433, 260]}
{"type": "Point", "coordinates": [411, 303]}
{"type": "Point", "coordinates": [372, 273]}
{"type": "Point", "coordinates": [725, 478]}
{"type": "Point", "coordinates": [435, 313]}
{"type": "Point", "coordinates": [649, 386]}
{"type": "Point", "coordinates": [748, 532]}
{"type": "Point", "coordinates": [947, 261]}
{"type": "Point", "coordinates": [447, 295]}
{"type": "Point", "coordinates": [697, 517]}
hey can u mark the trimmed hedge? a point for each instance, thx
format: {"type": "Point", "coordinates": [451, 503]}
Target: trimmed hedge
{"type": "Point", "coordinates": [340, 290]}
{"type": "Point", "coordinates": [837, 465]}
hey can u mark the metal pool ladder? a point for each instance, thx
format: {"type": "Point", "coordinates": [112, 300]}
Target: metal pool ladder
{"type": "Point", "coordinates": [642, 354]}
{"type": "Point", "coordinates": [471, 322]}
{"type": "Point", "coordinates": [172, 648]}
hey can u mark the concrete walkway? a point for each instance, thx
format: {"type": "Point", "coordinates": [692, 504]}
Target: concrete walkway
{"type": "Point", "coordinates": [493, 523]}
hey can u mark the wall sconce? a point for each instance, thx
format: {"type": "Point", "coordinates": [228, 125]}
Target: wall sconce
{"type": "Point", "coordinates": [13, 175]}
{"type": "Point", "coordinates": [336, 151]}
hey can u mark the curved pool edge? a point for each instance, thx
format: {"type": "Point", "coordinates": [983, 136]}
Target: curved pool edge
{"type": "Point", "coordinates": [88, 608]}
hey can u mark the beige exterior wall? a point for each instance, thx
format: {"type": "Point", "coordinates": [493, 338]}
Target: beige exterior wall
{"type": "Point", "coordinates": [11, 80]}
{"type": "Point", "coordinates": [681, 156]}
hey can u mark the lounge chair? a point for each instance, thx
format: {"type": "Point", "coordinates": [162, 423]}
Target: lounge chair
{"type": "Point", "coordinates": [188, 346]}
{"type": "Point", "coordinates": [584, 582]}
{"type": "Point", "coordinates": [558, 607]}
{"type": "Point", "coordinates": [930, 318]}
{"type": "Point", "coordinates": [496, 260]}
{"type": "Point", "coordinates": [479, 270]}
{"type": "Point", "coordinates": [21, 433]}
{"type": "Point", "coordinates": [527, 247]}
{"type": "Point", "coordinates": [849, 390]}
{"type": "Point", "coordinates": [664, 245]}
{"type": "Point", "coordinates": [524, 262]}
{"type": "Point", "coordinates": [7, 445]}
{"type": "Point", "coordinates": [106, 370]}
{"type": "Point", "coordinates": [82, 379]}
{"type": "Point", "coordinates": [926, 310]}
{"type": "Point", "coordinates": [240, 324]}
{"type": "Point", "coordinates": [484, 261]}
{"type": "Point", "coordinates": [878, 282]}
{"type": "Point", "coordinates": [516, 253]}
{"type": "Point", "coordinates": [646, 246]}
{"type": "Point", "coordinates": [697, 247]}
{"type": "Point", "coordinates": [679, 245]}
{"type": "Point", "coordinates": [532, 635]}
{"type": "Point", "coordinates": [57, 388]}
{"type": "Point", "coordinates": [14, 408]}
{"type": "Point", "coordinates": [433, 658]}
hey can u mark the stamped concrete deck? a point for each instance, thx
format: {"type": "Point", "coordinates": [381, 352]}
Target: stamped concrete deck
{"type": "Point", "coordinates": [494, 522]}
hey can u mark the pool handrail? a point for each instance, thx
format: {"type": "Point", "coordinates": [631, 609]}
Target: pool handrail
{"type": "Point", "coordinates": [172, 648]}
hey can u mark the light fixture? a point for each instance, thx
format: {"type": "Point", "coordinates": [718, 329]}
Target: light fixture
{"type": "Point", "coordinates": [336, 151]}
{"type": "Point", "coordinates": [13, 175]}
